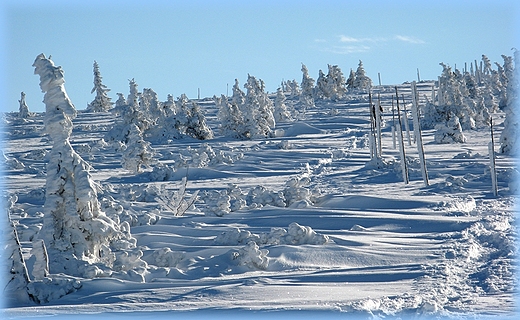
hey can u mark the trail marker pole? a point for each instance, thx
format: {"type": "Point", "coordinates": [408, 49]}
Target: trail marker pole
{"type": "Point", "coordinates": [492, 162]}
{"type": "Point", "coordinates": [394, 138]}
{"type": "Point", "coordinates": [418, 135]}
{"type": "Point", "coordinates": [406, 124]}
{"type": "Point", "coordinates": [404, 166]}
{"type": "Point", "coordinates": [377, 115]}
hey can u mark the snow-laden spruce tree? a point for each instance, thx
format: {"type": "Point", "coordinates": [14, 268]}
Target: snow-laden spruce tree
{"type": "Point", "coordinates": [361, 80]}
{"type": "Point", "coordinates": [102, 102]}
{"type": "Point", "coordinates": [196, 126]}
{"type": "Point", "coordinates": [293, 87]}
{"type": "Point", "coordinates": [239, 97]}
{"type": "Point", "coordinates": [281, 111]}
{"type": "Point", "coordinates": [351, 79]}
{"type": "Point", "coordinates": [307, 89]}
{"type": "Point", "coordinates": [321, 89]}
{"type": "Point", "coordinates": [129, 113]}
{"type": "Point", "coordinates": [23, 111]}
{"type": "Point", "coordinates": [150, 105]}
{"type": "Point", "coordinates": [137, 153]}
{"type": "Point", "coordinates": [230, 117]}
{"type": "Point", "coordinates": [76, 231]}
{"type": "Point", "coordinates": [509, 136]}
{"type": "Point", "coordinates": [336, 83]}
{"type": "Point", "coordinates": [257, 110]}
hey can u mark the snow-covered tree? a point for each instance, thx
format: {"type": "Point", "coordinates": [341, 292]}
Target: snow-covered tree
{"type": "Point", "coordinates": [74, 226]}
{"type": "Point", "coordinates": [307, 89]}
{"type": "Point", "coordinates": [509, 136]}
{"type": "Point", "coordinates": [230, 117]}
{"type": "Point", "coordinates": [18, 278]}
{"type": "Point", "coordinates": [321, 90]}
{"type": "Point", "coordinates": [239, 96]}
{"type": "Point", "coordinates": [281, 112]}
{"type": "Point", "coordinates": [257, 110]}
{"type": "Point", "coordinates": [129, 114]}
{"type": "Point", "coordinates": [293, 87]}
{"type": "Point", "coordinates": [121, 100]}
{"type": "Point", "coordinates": [450, 132]}
{"type": "Point", "coordinates": [102, 102]}
{"type": "Point", "coordinates": [23, 112]}
{"type": "Point", "coordinates": [196, 125]}
{"type": "Point", "coordinates": [361, 81]}
{"type": "Point", "coordinates": [138, 152]}
{"type": "Point", "coordinates": [248, 115]}
{"type": "Point", "coordinates": [150, 105]}
{"type": "Point", "coordinates": [351, 79]}
{"type": "Point", "coordinates": [331, 86]}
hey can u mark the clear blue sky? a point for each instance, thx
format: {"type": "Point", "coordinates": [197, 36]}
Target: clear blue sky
{"type": "Point", "coordinates": [176, 47]}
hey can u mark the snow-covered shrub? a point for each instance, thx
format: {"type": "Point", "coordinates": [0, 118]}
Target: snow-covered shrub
{"type": "Point", "coordinates": [11, 163]}
{"type": "Point", "coordinates": [451, 132]}
{"type": "Point", "coordinates": [296, 193]}
{"type": "Point", "coordinates": [295, 234]}
{"type": "Point", "coordinates": [161, 172]}
{"type": "Point", "coordinates": [167, 258]}
{"type": "Point", "coordinates": [102, 102]}
{"type": "Point", "coordinates": [251, 256]}
{"type": "Point", "coordinates": [49, 289]}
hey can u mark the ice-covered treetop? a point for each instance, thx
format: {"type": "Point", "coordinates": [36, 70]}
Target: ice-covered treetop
{"type": "Point", "coordinates": [59, 110]}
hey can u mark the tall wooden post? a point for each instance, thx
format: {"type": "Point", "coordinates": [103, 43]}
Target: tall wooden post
{"type": "Point", "coordinates": [404, 166]}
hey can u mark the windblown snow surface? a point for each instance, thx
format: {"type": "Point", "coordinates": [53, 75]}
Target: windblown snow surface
{"type": "Point", "coordinates": [351, 239]}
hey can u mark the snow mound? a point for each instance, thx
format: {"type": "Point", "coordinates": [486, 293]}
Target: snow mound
{"type": "Point", "coordinates": [301, 128]}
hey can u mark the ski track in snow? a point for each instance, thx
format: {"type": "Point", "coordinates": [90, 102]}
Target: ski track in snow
{"type": "Point", "coordinates": [392, 249]}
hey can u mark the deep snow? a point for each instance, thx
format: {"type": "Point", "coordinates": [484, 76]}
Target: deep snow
{"type": "Point", "coordinates": [301, 221]}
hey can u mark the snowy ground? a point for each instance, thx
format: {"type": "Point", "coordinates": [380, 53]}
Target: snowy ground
{"type": "Point", "coordinates": [354, 240]}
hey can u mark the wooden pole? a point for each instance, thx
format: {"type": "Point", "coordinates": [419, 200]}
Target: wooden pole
{"type": "Point", "coordinates": [373, 148]}
{"type": "Point", "coordinates": [404, 166]}
{"type": "Point", "coordinates": [406, 124]}
{"type": "Point", "coordinates": [418, 134]}
{"type": "Point", "coordinates": [393, 125]}
{"type": "Point", "coordinates": [492, 163]}
{"type": "Point", "coordinates": [377, 115]}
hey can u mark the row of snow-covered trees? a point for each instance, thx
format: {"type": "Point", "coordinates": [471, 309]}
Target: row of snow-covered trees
{"type": "Point", "coordinates": [144, 119]}
{"type": "Point", "coordinates": [466, 100]}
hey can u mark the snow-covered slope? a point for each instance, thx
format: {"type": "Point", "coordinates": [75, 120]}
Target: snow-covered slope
{"type": "Point", "coordinates": [301, 221]}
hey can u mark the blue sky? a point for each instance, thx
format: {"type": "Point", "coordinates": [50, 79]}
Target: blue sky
{"type": "Point", "coordinates": [176, 47]}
